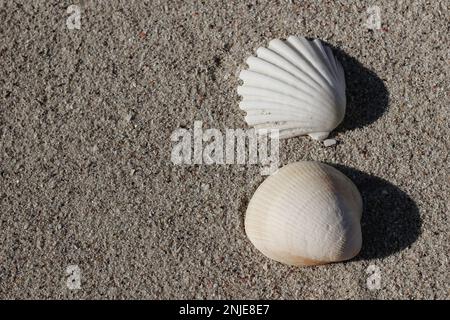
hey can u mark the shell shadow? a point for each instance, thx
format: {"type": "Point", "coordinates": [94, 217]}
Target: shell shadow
{"type": "Point", "coordinates": [390, 222]}
{"type": "Point", "coordinates": [367, 95]}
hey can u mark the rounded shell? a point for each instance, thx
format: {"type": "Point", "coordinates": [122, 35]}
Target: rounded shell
{"type": "Point", "coordinates": [306, 213]}
{"type": "Point", "coordinates": [296, 86]}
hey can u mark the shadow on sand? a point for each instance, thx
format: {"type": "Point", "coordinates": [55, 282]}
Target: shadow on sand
{"type": "Point", "coordinates": [390, 220]}
{"type": "Point", "coordinates": [367, 96]}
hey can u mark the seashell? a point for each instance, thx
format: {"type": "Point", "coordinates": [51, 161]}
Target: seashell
{"type": "Point", "coordinates": [296, 86]}
{"type": "Point", "coordinates": [306, 213]}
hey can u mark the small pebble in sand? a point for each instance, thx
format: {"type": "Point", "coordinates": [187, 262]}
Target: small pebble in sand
{"type": "Point", "coordinates": [329, 142]}
{"type": "Point", "coordinates": [128, 117]}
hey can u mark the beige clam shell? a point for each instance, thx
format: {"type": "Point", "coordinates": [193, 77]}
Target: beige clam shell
{"type": "Point", "coordinates": [306, 213]}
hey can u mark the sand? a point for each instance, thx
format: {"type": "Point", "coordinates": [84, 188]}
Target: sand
{"type": "Point", "coordinates": [86, 177]}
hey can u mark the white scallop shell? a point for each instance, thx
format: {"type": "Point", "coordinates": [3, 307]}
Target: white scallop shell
{"type": "Point", "coordinates": [306, 213]}
{"type": "Point", "coordinates": [296, 86]}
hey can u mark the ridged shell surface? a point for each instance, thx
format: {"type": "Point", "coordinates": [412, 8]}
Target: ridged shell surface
{"type": "Point", "coordinates": [306, 213]}
{"type": "Point", "coordinates": [296, 86]}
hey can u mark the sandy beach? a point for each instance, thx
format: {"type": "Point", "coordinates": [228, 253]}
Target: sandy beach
{"type": "Point", "coordinates": [92, 207]}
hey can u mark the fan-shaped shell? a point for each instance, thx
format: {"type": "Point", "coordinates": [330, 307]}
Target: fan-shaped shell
{"type": "Point", "coordinates": [296, 86]}
{"type": "Point", "coordinates": [306, 213]}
